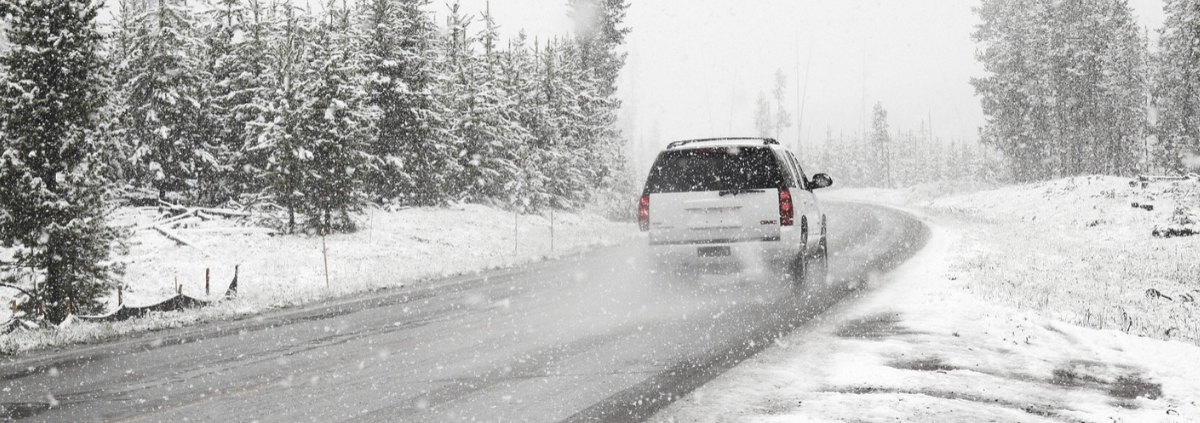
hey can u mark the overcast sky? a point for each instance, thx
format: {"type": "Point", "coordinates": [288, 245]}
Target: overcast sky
{"type": "Point", "coordinates": [696, 67]}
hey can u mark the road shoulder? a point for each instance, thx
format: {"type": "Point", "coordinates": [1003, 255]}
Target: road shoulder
{"type": "Point", "coordinates": [920, 345]}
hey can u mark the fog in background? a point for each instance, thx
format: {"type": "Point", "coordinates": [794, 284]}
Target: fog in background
{"type": "Point", "coordinates": [696, 68]}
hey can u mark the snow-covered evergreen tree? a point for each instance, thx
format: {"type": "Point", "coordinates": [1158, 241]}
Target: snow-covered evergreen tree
{"type": "Point", "coordinates": [595, 54]}
{"type": "Point", "coordinates": [283, 114]}
{"type": "Point", "coordinates": [880, 146]}
{"type": "Point", "coordinates": [164, 118]}
{"type": "Point", "coordinates": [1177, 85]}
{"type": "Point", "coordinates": [518, 69]}
{"type": "Point", "coordinates": [763, 121]}
{"type": "Point", "coordinates": [565, 166]}
{"type": "Point", "coordinates": [481, 115]}
{"type": "Point", "coordinates": [783, 119]}
{"type": "Point", "coordinates": [52, 189]}
{"type": "Point", "coordinates": [236, 34]}
{"type": "Point", "coordinates": [336, 129]}
{"type": "Point", "coordinates": [416, 162]}
{"type": "Point", "coordinates": [598, 35]}
{"type": "Point", "coordinates": [1066, 85]}
{"type": "Point", "coordinates": [316, 121]}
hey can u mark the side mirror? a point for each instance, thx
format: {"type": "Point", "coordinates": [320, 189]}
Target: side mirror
{"type": "Point", "coordinates": [820, 180]}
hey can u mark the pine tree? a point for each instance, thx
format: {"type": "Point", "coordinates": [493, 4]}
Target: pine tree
{"type": "Point", "coordinates": [1066, 88]}
{"type": "Point", "coordinates": [52, 191]}
{"type": "Point", "coordinates": [336, 128]}
{"type": "Point", "coordinates": [565, 168]}
{"type": "Point", "coordinates": [881, 146]}
{"type": "Point", "coordinates": [121, 47]}
{"type": "Point", "coordinates": [236, 36]}
{"type": "Point", "coordinates": [279, 133]}
{"type": "Point", "coordinates": [598, 34]}
{"type": "Point", "coordinates": [416, 164]}
{"type": "Point", "coordinates": [1177, 85]}
{"type": "Point", "coordinates": [481, 116]}
{"type": "Point", "coordinates": [595, 55]}
{"type": "Point", "coordinates": [783, 120]}
{"type": "Point", "coordinates": [1013, 95]}
{"type": "Point", "coordinates": [165, 118]}
{"type": "Point", "coordinates": [763, 121]}
{"type": "Point", "coordinates": [520, 79]}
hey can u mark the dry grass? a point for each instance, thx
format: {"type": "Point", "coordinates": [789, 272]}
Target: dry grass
{"type": "Point", "coordinates": [1083, 279]}
{"type": "Point", "coordinates": [1081, 258]}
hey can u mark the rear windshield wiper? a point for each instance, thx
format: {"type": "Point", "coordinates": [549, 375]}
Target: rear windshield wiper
{"type": "Point", "coordinates": [739, 191]}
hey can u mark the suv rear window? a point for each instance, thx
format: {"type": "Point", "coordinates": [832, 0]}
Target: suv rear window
{"type": "Point", "coordinates": [714, 169]}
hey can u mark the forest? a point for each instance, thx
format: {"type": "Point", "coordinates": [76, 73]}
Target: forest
{"type": "Point", "coordinates": [307, 113]}
{"type": "Point", "coordinates": [1070, 88]}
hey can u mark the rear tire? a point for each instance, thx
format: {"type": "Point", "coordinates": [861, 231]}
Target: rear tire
{"type": "Point", "coordinates": [819, 273]}
{"type": "Point", "coordinates": [798, 268]}
{"type": "Point", "coordinates": [799, 265]}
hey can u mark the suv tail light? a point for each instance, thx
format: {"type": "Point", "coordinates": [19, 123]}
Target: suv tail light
{"type": "Point", "coordinates": [644, 213]}
{"type": "Point", "coordinates": [787, 213]}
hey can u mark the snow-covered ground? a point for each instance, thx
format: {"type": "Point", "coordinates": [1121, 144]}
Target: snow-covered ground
{"type": "Point", "coordinates": [1041, 302]}
{"type": "Point", "coordinates": [391, 249]}
{"type": "Point", "coordinates": [1030, 303]}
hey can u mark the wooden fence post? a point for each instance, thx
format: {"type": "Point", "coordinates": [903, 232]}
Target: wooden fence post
{"type": "Point", "coordinates": [206, 289]}
{"type": "Point", "coordinates": [120, 297]}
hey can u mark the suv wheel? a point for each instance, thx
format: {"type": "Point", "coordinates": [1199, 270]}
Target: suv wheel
{"type": "Point", "coordinates": [819, 272]}
{"type": "Point", "coordinates": [799, 266]}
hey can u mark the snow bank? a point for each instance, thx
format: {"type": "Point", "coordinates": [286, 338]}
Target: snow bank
{"type": "Point", "coordinates": [1025, 306]}
{"type": "Point", "coordinates": [1078, 250]}
{"type": "Point", "coordinates": [391, 249]}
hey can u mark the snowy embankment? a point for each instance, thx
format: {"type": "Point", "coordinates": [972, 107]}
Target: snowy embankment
{"type": "Point", "coordinates": [1042, 302]}
{"type": "Point", "coordinates": [390, 250]}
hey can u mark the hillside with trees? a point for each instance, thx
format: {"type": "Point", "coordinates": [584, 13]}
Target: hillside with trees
{"type": "Point", "coordinates": [309, 114]}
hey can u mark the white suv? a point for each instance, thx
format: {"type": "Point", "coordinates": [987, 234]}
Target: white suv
{"type": "Point", "coordinates": [733, 199]}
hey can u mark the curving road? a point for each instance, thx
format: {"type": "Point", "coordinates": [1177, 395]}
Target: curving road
{"type": "Point", "coordinates": [588, 338]}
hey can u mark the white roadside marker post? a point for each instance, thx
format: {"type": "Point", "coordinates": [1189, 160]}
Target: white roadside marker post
{"type": "Point", "coordinates": [325, 258]}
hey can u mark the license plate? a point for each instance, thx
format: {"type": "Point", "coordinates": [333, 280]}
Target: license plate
{"type": "Point", "coordinates": [713, 251]}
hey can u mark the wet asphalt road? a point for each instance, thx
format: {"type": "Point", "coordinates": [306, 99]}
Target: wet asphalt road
{"type": "Point", "coordinates": [588, 338]}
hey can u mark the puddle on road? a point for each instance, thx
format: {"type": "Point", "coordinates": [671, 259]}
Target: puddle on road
{"type": "Point", "coordinates": [931, 364]}
{"type": "Point", "coordinates": [877, 326]}
{"type": "Point", "coordinates": [1128, 384]}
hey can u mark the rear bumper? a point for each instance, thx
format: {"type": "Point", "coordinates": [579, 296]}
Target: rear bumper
{"type": "Point", "coordinates": [775, 250]}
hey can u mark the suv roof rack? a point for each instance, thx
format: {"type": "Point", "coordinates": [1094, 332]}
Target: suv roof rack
{"type": "Point", "coordinates": [765, 141]}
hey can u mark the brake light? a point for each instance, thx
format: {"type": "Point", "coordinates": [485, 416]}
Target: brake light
{"type": "Point", "coordinates": [786, 212]}
{"type": "Point", "coordinates": [644, 213]}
